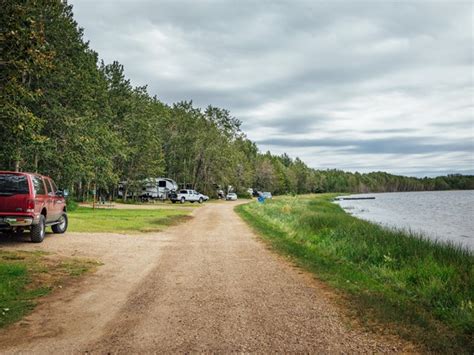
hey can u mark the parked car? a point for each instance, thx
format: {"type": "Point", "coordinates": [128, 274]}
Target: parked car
{"type": "Point", "coordinates": [266, 195]}
{"type": "Point", "coordinates": [31, 202]}
{"type": "Point", "coordinates": [231, 196]}
{"type": "Point", "coordinates": [188, 195]}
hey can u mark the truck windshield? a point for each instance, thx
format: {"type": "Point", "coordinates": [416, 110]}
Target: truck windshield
{"type": "Point", "coordinates": [11, 184]}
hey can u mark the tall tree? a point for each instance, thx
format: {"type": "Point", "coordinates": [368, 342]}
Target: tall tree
{"type": "Point", "coordinates": [26, 56]}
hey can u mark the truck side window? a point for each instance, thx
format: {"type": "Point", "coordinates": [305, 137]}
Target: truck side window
{"type": "Point", "coordinates": [50, 187]}
{"type": "Point", "coordinates": [54, 187]}
{"type": "Point", "coordinates": [39, 186]}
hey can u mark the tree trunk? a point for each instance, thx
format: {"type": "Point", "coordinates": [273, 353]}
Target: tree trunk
{"type": "Point", "coordinates": [125, 191]}
{"type": "Point", "coordinates": [197, 170]}
{"type": "Point", "coordinates": [36, 162]}
{"type": "Point", "coordinates": [17, 165]}
{"type": "Point", "coordinates": [79, 191]}
{"type": "Point", "coordinates": [88, 188]}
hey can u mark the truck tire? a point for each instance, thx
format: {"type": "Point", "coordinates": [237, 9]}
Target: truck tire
{"type": "Point", "coordinates": [183, 199]}
{"type": "Point", "coordinates": [61, 227]}
{"type": "Point", "coordinates": [38, 230]}
{"type": "Point", "coordinates": [173, 201]}
{"type": "Point", "coordinates": [200, 199]}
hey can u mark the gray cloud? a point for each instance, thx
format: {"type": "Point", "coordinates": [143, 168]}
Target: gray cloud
{"type": "Point", "coordinates": [355, 76]}
{"type": "Point", "coordinates": [468, 123]}
{"type": "Point", "coordinates": [401, 145]}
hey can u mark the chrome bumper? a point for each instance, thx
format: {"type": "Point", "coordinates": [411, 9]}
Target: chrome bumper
{"type": "Point", "coordinates": [16, 221]}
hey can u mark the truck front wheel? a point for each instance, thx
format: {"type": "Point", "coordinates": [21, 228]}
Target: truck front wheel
{"type": "Point", "coordinates": [61, 227]}
{"type": "Point", "coordinates": [183, 199]}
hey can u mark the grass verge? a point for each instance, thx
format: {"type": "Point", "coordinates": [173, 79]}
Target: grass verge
{"type": "Point", "coordinates": [85, 219]}
{"type": "Point", "coordinates": [393, 281]}
{"type": "Point", "coordinates": [27, 276]}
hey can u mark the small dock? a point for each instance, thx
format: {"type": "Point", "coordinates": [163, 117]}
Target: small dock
{"type": "Point", "coordinates": [353, 198]}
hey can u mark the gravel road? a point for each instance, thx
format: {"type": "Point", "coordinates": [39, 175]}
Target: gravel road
{"type": "Point", "coordinates": [208, 285]}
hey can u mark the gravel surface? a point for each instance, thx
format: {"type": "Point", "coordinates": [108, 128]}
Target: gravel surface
{"type": "Point", "coordinates": [207, 285]}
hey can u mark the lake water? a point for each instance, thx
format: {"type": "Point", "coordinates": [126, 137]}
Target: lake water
{"type": "Point", "coordinates": [442, 215]}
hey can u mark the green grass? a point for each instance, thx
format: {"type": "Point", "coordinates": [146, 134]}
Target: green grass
{"type": "Point", "coordinates": [26, 276]}
{"type": "Point", "coordinates": [85, 219]}
{"type": "Point", "coordinates": [404, 284]}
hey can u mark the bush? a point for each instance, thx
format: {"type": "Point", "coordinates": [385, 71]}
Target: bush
{"type": "Point", "coordinates": [71, 204]}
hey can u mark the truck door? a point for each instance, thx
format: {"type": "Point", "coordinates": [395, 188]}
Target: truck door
{"type": "Point", "coordinates": [52, 210]}
{"type": "Point", "coordinates": [58, 201]}
{"type": "Point", "coordinates": [41, 197]}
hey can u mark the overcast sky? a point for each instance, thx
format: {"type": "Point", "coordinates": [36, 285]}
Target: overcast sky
{"type": "Point", "coordinates": [354, 85]}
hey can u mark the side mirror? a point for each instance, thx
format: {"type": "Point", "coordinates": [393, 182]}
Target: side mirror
{"type": "Point", "coordinates": [62, 193]}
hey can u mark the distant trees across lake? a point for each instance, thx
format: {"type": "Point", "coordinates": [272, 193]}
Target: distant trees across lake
{"type": "Point", "coordinates": [67, 115]}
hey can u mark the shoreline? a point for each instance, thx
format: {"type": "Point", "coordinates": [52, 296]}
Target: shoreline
{"type": "Point", "coordinates": [434, 215]}
{"type": "Point", "coordinates": [415, 288]}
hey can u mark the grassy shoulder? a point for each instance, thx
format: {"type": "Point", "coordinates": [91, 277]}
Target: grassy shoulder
{"type": "Point", "coordinates": [27, 276]}
{"type": "Point", "coordinates": [85, 219]}
{"type": "Point", "coordinates": [418, 289]}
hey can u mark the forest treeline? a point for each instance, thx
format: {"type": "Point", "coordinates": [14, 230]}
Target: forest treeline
{"type": "Point", "coordinates": [67, 115]}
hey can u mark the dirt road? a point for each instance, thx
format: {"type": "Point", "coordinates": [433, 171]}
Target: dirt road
{"type": "Point", "coordinates": [207, 285]}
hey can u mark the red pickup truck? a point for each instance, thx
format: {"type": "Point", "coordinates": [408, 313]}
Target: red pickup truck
{"type": "Point", "coordinates": [31, 201]}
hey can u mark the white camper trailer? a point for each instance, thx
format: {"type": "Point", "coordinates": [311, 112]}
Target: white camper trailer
{"type": "Point", "coordinates": [157, 188]}
{"type": "Point", "coordinates": [166, 185]}
{"type": "Point", "coordinates": [151, 189]}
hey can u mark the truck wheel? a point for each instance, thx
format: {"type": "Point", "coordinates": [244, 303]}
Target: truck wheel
{"type": "Point", "coordinates": [61, 227]}
{"type": "Point", "coordinates": [183, 199]}
{"type": "Point", "coordinates": [200, 199]}
{"type": "Point", "coordinates": [38, 230]}
{"type": "Point", "coordinates": [173, 201]}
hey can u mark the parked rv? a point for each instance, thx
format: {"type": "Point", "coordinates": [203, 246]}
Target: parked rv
{"type": "Point", "coordinates": [151, 189]}
{"type": "Point", "coordinates": [157, 188]}
{"type": "Point", "coordinates": [165, 186]}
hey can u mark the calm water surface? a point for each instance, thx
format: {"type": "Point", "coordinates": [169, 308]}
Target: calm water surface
{"type": "Point", "coordinates": [442, 215]}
